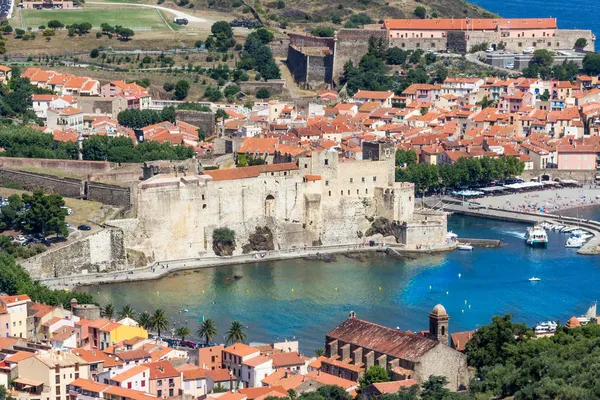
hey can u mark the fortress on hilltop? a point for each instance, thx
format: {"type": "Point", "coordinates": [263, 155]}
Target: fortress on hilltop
{"type": "Point", "coordinates": [320, 200]}
{"type": "Point", "coordinates": [316, 61]}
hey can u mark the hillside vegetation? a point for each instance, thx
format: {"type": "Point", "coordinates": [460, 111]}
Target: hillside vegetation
{"type": "Point", "coordinates": [338, 13]}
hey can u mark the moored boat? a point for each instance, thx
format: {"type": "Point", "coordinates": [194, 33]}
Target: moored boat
{"type": "Point", "coordinates": [536, 236]}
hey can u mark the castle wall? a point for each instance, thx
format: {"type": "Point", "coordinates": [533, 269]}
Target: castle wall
{"type": "Point", "coordinates": [352, 44]}
{"type": "Point", "coordinates": [274, 86]}
{"type": "Point", "coordinates": [102, 251]}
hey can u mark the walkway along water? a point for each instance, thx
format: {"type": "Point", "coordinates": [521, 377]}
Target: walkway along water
{"type": "Point", "coordinates": [162, 268]}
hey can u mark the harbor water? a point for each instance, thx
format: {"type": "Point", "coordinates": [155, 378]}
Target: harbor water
{"type": "Point", "coordinates": [303, 300]}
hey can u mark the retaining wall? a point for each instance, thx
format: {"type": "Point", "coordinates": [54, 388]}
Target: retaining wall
{"type": "Point", "coordinates": [70, 166]}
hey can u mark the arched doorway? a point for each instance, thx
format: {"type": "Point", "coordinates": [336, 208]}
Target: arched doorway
{"type": "Point", "coordinates": [270, 206]}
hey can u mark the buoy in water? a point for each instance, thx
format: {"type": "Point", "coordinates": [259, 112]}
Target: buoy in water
{"type": "Point", "coordinates": [247, 291]}
{"type": "Point", "coordinates": [379, 287]}
{"type": "Point", "coordinates": [336, 289]}
{"type": "Point", "coordinates": [465, 302]}
{"type": "Point", "coordinates": [463, 310]}
{"type": "Point", "coordinates": [459, 275]}
{"type": "Point", "coordinates": [469, 306]}
{"type": "Point", "coordinates": [446, 292]}
{"type": "Point", "coordinates": [430, 287]}
{"type": "Point", "coordinates": [292, 290]}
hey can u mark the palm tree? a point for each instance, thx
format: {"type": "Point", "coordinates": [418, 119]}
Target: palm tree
{"type": "Point", "coordinates": [182, 332]}
{"type": "Point", "coordinates": [108, 311]}
{"type": "Point", "coordinates": [127, 312]}
{"type": "Point", "coordinates": [320, 352]}
{"type": "Point", "coordinates": [160, 321]}
{"type": "Point", "coordinates": [145, 320]}
{"type": "Point", "coordinates": [236, 333]}
{"type": "Point", "coordinates": [208, 330]}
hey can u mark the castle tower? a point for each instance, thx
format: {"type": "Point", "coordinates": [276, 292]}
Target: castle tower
{"type": "Point", "coordinates": [438, 324]}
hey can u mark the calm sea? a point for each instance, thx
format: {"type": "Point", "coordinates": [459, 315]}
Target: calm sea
{"type": "Point", "coordinates": [572, 14]}
{"type": "Point", "coordinates": [304, 300]}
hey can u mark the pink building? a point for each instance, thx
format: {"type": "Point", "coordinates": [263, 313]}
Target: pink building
{"type": "Point", "coordinates": [577, 157]}
{"type": "Point", "coordinates": [165, 380]}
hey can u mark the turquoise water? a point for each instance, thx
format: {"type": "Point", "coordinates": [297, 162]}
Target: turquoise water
{"type": "Point", "coordinates": [299, 298]}
{"type": "Point", "coordinates": [573, 14]}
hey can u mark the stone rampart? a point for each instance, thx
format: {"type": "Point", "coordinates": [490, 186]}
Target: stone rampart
{"type": "Point", "coordinates": [69, 166]}
{"type": "Point", "coordinates": [274, 86]}
{"type": "Point", "coordinates": [67, 187]}
{"type": "Point", "coordinates": [102, 251]}
{"type": "Point", "coordinates": [279, 47]}
{"type": "Point", "coordinates": [311, 41]}
{"type": "Point", "coordinates": [351, 45]}
{"type": "Point", "coordinates": [109, 194]}
{"type": "Point", "coordinates": [204, 120]}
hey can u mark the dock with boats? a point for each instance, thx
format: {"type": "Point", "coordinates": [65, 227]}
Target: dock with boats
{"type": "Point", "coordinates": [590, 247]}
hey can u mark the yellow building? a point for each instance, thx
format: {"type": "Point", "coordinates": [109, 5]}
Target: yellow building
{"type": "Point", "coordinates": [112, 332]}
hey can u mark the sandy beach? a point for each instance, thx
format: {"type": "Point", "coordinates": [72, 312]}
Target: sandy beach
{"type": "Point", "coordinates": [545, 201]}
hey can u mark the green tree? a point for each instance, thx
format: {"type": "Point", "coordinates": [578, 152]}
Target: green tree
{"type": "Point", "coordinates": [420, 12]}
{"type": "Point", "coordinates": [181, 89]}
{"type": "Point", "coordinates": [208, 330]}
{"type": "Point", "coordinates": [545, 96]}
{"type": "Point", "coordinates": [108, 311]}
{"type": "Point", "coordinates": [231, 91]}
{"type": "Point", "coordinates": [395, 56]}
{"type": "Point", "coordinates": [265, 35]}
{"type": "Point", "coordinates": [377, 47]}
{"type": "Point", "coordinates": [490, 344]}
{"type": "Point", "coordinates": [95, 148]}
{"type": "Point", "coordinates": [581, 43]}
{"type": "Point", "coordinates": [10, 213]}
{"type": "Point", "coordinates": [127, 312]}
{"type": "Point", "coordinates": [434, 389]}
{"type": "Point", "coordinates": [375, 374]}
{"type": "Point", "coordinates": [182, 331]}
{"type": "Point", "coordinates": [160, 321]}
{"type": "Point", "coordinates": [43, 214]}
{"type": "Point", "coordinates": [94, 53]}
{"type": "Point", "coordinates": [319, 352]}
{"type": "Point", "coordinates": [405, 157]}
{"type": "Point", "coordinates": [213, 93]}
{"type": "Point", "coordinates": [334, 392]}
{"type": "Point", "coordinates": [591, 63]}
{"type": "Point", "coordinates": [263, 93]}
{"type": "Point", "coordinates": [55, 24]}
{"type": "Point", "coordinates": [145, 320]}
{"type": "Point", "coordinates": [236, 333]}
{"type": "Point", "coordinates": [4, 395]}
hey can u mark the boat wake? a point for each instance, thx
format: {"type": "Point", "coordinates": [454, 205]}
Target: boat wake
{"type": "Point", "coordinates": [516, 234]}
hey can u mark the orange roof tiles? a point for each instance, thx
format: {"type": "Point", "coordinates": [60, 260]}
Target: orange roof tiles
{"type": "Point", "coordinates": [469, 24]}
{"type": "Point", "coordinates": [130, 373]}
{"type": "Point", "coordinates": [241, 349]}
{"type": "Point", "coordinates": [286, 359]}
{"type": "Point", "coordinates": [248, 172]}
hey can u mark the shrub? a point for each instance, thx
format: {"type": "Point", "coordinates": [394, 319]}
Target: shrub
{"type": "Point", "coordinates": [420, 12]}
{"type": "Point", "coordinates": [280, 4]}
{"type": "Point", "coordinates": [263, 93]}
{"type": "Point", "coordinates": [94, 53]}
{"type": "Point", "coordinates": [581, 43]}
{"type": "Point", "coordinates": [323, 31]}
{"type": "Point", "coordinates": [236, 3]}
{"type": "Point", "coordinates": [98, 35]}
{"type": "Point", "coordinates": [55, 24]}
{"type": "Point", "coordinates": [168, 86]}
{"type": "Point", "coordinates": [223, 235]}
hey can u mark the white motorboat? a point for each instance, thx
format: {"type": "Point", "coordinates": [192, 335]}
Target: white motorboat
{"type": "Point", "coordinates": [575, 242]}
{"type": "Point", "coordinates": [466, 247]}
{"type": "Point", "coordinates": [534, 279]}
{"type": "Point", "coordinates": [536, 236]}
{"type": "Point", "coordinates": [568, 229]}
{"type": "Point", "coordinates": [578, 232]}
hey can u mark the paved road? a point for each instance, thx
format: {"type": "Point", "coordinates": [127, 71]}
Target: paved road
{"type": "Point", "coordinates": [474, 59]}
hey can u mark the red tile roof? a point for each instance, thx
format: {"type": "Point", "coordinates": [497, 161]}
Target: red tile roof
{"type": "Point", "coordinates": [248, 172]}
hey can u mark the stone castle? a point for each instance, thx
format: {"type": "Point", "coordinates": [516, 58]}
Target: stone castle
{"type": "Point", "coordinates": [317, 201]}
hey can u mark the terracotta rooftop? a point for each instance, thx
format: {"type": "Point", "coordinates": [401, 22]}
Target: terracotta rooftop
{"type": "Point", "coordinates": [248, 172]}
{"type": "Point", "coordinates": [382, 339]}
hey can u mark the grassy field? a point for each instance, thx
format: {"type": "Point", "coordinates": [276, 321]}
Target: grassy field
{"type": "Point", "coordinates": [128, 17]}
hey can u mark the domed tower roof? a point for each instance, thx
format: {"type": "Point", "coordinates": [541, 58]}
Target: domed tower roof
{"type": "Point", "coordinates": [438, 311]}
{"type": "Point", "coordinates": [573, 323]}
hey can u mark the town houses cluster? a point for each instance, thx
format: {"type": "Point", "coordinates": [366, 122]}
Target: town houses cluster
{"type": "Point", "coordinates": [57, 353]}
{"type": "Point", "coordinates": [547, 124]}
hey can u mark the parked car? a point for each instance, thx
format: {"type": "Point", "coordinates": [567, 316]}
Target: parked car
{"type": "Point", "coordinates": [529, 50]}
{"type": "Point", "coordinates": [84, 227]}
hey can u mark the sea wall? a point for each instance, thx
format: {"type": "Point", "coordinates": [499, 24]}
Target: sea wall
{"type": "Point", "coordinates": [551, 174]}
{"type": "Point", "coordinates": [102, 251]}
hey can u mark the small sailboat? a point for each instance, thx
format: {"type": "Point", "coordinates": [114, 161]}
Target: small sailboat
{"type": "Point", "coordinates": [534, 279]}
{"type": "Point", "coordinates": [466, 247]}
